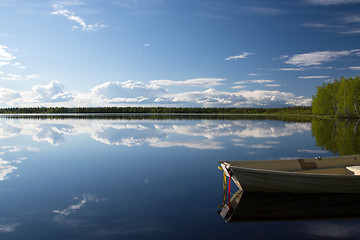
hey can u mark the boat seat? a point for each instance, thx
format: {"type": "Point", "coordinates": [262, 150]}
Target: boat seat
{"type": "Point", "coordinates": [354, 169]}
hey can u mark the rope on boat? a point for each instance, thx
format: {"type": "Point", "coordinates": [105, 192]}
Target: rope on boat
{"type": "Point", "coordinates": [226, 187]}
{"type": "Point", "coordinates": [229, 189]}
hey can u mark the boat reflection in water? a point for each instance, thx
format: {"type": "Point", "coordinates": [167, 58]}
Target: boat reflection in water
{"type": "Point", "coordinates": [259, 206]}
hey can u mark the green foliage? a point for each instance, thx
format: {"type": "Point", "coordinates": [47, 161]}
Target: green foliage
{"type": "Point", "coordinates": [338, 99]}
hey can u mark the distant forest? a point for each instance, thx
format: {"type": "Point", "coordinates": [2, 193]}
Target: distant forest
{"type": "Point", "coordinates": [157, 110]}
{"type": "Point", "coordinates": [340, 99]}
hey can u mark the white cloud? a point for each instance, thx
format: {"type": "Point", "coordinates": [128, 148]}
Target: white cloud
{"type": "Point", "coordinates": [355, 68]}
{"type": "Point", "coordinates": [4, 55]}
{"type": "Point", "coordinates": [292, 69]}
{"type": "Point", "coordinates": [137, 93]}
{"type": "Point", "coordinates": [18, 65]}
{"type": "Point", "coordinates": [32, 76]}
{"type": "Point", "coordinates": [267, 82]}
{"type": "Point", "coordinates": [52, 92]}
{"type": "Point", "coordinates": [11, 77]}
{"type": "Point", "coordinates": [240, 56]}
{"type": "Point", "coordinates": [207, 98]}
{"type": "Point", "coordinates": [260, 81]}
{"type": "Point", "coordinates": [70, 2]}
{"type": "Point", "coordinates": [7, 95]}
{"type": "Point", "coordinates": [60, 10]}
{"type": "Point", "coordinates": [259, 98]}
{"type": "Point", "coordinates": [3, 64]}
{"type": "Point", "coordinates": [129, 91]}
{"type": "Point", "coordinates": [313, 77]}
{"type": "Point", "coordinates": [332, 2]}
{"type": "Point", "coordinates": [197, 82]}
{"type": "Point", "coordinates": [238, 87]}
{"type": "Point", "coordinates": [356, 31]}
{"type": "Point", "coordinates": [262, 98]}
{"type": "Point", "coordinates": [317, 58]}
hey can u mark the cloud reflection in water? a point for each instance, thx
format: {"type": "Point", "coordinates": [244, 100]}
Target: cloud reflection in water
{"type": "Point", "coordinates": [199, 134]}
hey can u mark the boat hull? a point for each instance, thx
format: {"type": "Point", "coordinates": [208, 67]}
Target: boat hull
{"type": "Point", "coordinates": [260, 180]}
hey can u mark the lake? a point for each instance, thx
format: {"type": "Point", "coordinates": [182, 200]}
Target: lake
{"type": "Point", "coordinates": [150, 177]}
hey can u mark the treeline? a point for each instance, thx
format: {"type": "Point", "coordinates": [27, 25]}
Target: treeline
{"type": "Point", "coordinates": [340, 98]}
{"type": "Point", "coordinates": [156, 110]}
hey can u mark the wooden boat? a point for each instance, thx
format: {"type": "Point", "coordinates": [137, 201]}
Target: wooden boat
{"type": "Point", "coordinates": [258, 206]}
{"type": "Point", "coordinates": [316, 175]}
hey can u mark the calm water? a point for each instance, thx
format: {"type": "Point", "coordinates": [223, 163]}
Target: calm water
{"type": "Point", "coordinates": [147, 179]}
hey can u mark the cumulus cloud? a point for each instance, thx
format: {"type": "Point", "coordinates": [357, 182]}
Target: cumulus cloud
{"type": "Point", "coordinates": [129, 91]}
{"type": "Point", "coordinates": [318, 58]}
{"type": "Point", "coordinates": [262, 98]}
{"type": "Point", "coordinates": [259, 98]}
{"type": "Point", "coordinates": [60, 10]}
{"type": "Point", "coordinates": [138, 93]}
{"type": "Point", "coordinates": [207, 98]}
{"type": "Point", "coordinates": [52, 92]}
{"type": "Point", "coordinates": [197, 82]}
{"type": "Point", "coordinates": [240, 56]}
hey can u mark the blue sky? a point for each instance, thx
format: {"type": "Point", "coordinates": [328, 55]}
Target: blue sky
{"type": "Point", "coordinates": [203, 53]}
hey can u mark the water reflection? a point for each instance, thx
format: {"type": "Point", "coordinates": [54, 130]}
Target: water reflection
{"type": "Point", "coordinates": [257, 206]}
{"type": "Point", "coordinates": [64, 216]}
{"type": "Point", "coordinates": [200, 135]}
{"type": "Point", "coordinates": [7, 225]}
{"type": "Point", "coordinates": [148, 170]}
{"type": "Point", "coordinates": [339, 137]}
